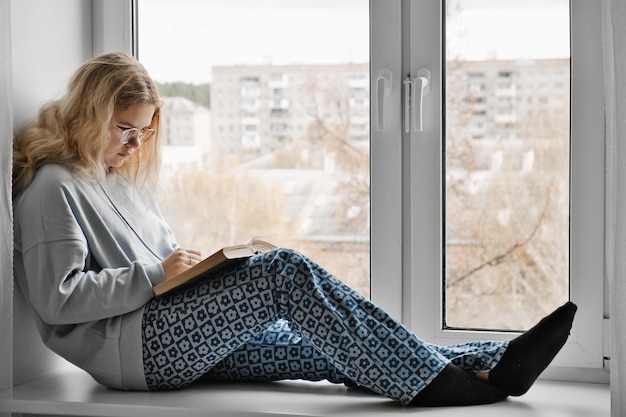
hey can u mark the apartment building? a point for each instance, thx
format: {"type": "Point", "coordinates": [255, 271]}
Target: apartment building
{"type": "Point", "coordinates": [257, 109]}
{"type": "Point", "coordinates": [185, 131]}
{"type": "Point", "coordinates": [509, 99]}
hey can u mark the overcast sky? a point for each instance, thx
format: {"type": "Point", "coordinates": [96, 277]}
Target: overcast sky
{"type": "Point", "coordinates": [182, 40]}
{"type": "Point", "coordinates": [522, 29]}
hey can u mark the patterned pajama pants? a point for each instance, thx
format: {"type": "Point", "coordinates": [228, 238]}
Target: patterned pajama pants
{"type": "Point", "coordinates": [279, 315]}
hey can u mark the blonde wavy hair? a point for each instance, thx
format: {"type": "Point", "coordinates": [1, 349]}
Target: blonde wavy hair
{"type": "Point", "coordinates": [74, 130]}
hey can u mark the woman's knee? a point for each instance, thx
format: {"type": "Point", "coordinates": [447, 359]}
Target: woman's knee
{"type": "Point", "coordinates": [285, 254]}
{"type": "Point", "coordinates": [287, 257]}
{"type": "Point", "coordinates": [290, 263]}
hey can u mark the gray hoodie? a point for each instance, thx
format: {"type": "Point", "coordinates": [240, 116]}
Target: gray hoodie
{"type": "Point", "coordinates": [87, 255]}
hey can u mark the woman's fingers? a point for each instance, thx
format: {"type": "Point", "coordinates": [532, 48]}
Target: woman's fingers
{"type": "Point", "coordinates": [180, 260]}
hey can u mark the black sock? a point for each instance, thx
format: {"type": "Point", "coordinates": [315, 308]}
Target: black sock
{"type": "Point", "coordinates": [455, 386]}
{"type": "Point", "coordinates": [531, 352]}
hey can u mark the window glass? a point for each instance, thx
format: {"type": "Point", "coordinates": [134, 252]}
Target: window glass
{"type": "Point", "coordinates": [507, 154]}
{"type": "Point", "coordinates": [265, 124]}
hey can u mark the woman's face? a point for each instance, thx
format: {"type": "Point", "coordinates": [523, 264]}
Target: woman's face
{"type": "Point", "coordinates": [137, 116]}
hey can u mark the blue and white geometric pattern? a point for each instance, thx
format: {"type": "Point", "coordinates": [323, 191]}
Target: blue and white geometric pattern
{"type": "Point", "coordinates": [276, 354]}
{"type": "Point", "coordinates": [247, 316]}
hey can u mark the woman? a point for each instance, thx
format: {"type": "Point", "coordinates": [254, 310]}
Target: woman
{"type": "Point", "coordinates": [90, 244]}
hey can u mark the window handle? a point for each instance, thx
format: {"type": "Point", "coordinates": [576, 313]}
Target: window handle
{"type": "Point", "coordinates": [422, 84]}
{"type": "Point", "coordinates": [383, 89]}
{"type": "Point", "coordinates": [414, 91]}
{"type": "Point", "coordinates": [407, 104]}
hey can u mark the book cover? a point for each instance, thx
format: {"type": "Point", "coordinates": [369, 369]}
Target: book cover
{"type": "Point", "coordinates": [214, 263]}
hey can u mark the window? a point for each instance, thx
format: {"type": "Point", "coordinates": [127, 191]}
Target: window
{"type": "Point", "coordinates": [279, 124]}
{"type": "Point", "coordinates": [506, 192]}
{"type": "Point", "coordinates": [438, 235]}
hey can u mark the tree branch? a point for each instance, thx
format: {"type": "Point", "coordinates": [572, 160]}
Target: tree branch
{"type": "Point", "coordinates": [501, 257]}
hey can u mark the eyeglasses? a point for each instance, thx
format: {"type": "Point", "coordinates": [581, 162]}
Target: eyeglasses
{"type": "Point", "coordinates": [131, 134]}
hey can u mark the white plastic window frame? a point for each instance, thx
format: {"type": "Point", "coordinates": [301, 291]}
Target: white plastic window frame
{"type": "Point", "coordinates": [407, 233]}
{"type": "Point", "coordinates": [406, 181]}
{"type": "Point", "coordinates": [114, 23]}
{"type": "Point", "coordinates": [114, 27]}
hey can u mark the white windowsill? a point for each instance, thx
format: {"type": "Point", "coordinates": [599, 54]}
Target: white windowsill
{"type": "Point", "coordinates": [74, 393]}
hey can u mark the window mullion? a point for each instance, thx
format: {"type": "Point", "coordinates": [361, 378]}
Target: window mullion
{"type": "Point", "coordinates": [386, 154]}
{"type": "Point", "coordinates": [422, 167]}
{"type": "Point", "coordinates": [113, 26]}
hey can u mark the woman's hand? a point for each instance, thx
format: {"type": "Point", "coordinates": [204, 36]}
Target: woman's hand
{"type": "Point", "coordinates": [179, 261]}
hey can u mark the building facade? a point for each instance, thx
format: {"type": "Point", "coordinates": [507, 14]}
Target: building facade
{"type": "Point", "coordinates": [512, 99]}
{"type": "Point", "coordinates": [257, 109]}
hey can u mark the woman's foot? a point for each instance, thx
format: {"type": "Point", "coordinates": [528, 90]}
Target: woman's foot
{"type": "Point", "coordinates": [455, 386]}
{"type": "Point", "coordinates": [530, 353]}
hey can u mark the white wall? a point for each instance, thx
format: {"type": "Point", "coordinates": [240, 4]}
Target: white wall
{"type": "Point", "coordinates": [6, 131]}
{"type": "Point", "coordinates": [48, 41]}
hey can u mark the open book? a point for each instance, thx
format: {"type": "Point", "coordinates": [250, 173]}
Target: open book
{"type": "Point", "coordinates": [214, 263]}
